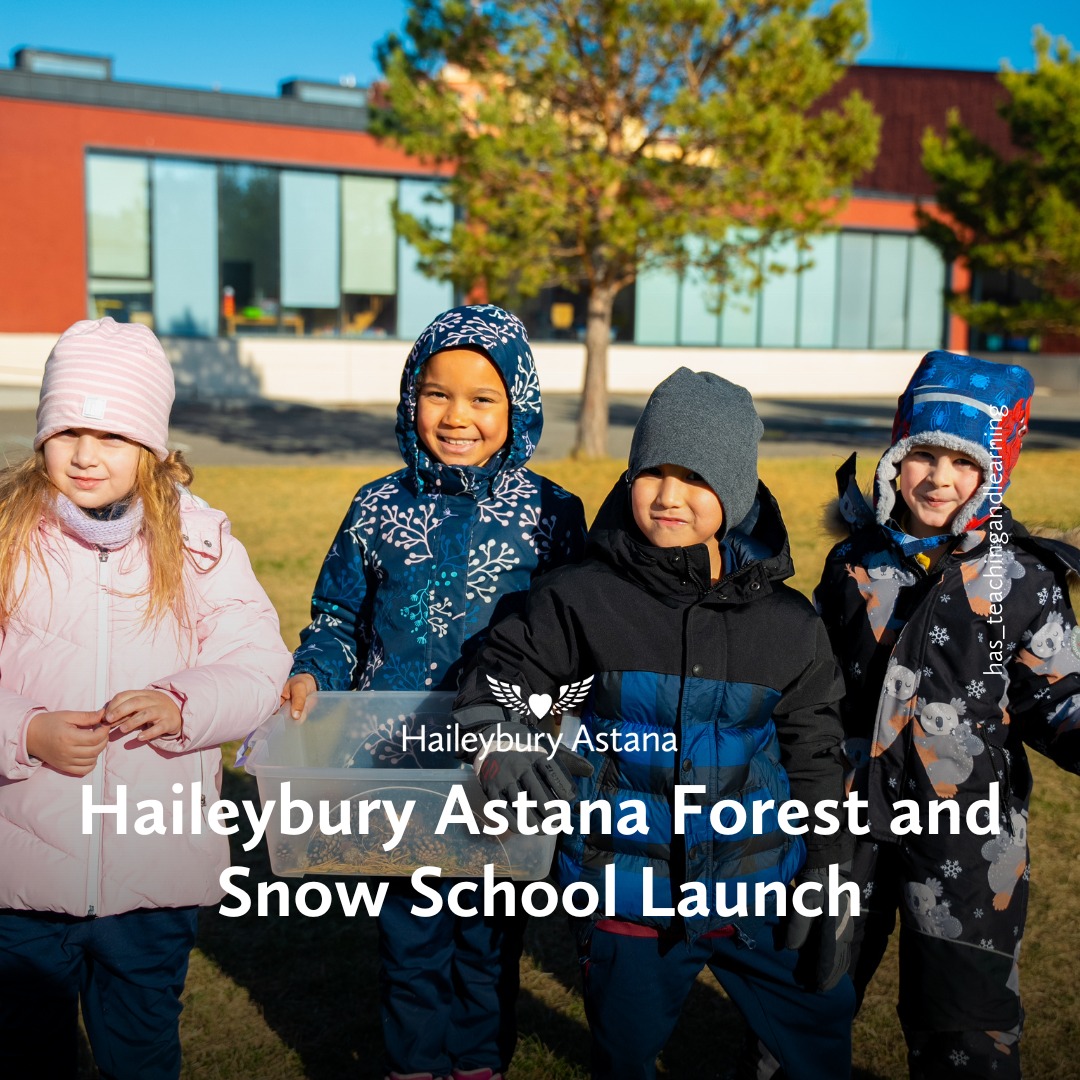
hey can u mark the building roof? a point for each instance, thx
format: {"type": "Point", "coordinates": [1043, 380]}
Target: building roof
{"type": "Point", "coordinates": [908, 99]}
{"type": "Point", "coordinates": [295, 108]}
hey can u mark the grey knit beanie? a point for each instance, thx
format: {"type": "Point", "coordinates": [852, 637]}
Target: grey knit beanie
{"type": "Point", "coordinates": [702, 422]}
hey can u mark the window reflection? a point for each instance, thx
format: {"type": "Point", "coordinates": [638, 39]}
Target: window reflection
{"type": "Point", "coordinates": [197, 248]}
{"type": "Point", "coordinates": [249, 250]}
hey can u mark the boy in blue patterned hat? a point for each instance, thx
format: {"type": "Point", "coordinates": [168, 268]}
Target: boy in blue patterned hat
{"type": "Point", "coordinates": [958, 645]}
{"type": "Point", "coordinates": [424, 561]}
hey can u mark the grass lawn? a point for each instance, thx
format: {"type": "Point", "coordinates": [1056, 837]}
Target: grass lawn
{"type": "Point", "coordinates": [297, 997]}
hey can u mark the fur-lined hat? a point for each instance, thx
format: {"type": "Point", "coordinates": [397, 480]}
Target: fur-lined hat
{"type": "Point", "coordinates": [972, 406]}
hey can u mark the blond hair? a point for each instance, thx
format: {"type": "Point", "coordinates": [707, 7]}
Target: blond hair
{"type": "Point", "coordinates": [26, 497]}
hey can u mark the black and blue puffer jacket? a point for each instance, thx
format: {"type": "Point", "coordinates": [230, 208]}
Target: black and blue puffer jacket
{"type": "Point", "coordinates": [740, 673]}
{"type": "Point", "coordinates": [429, 556]}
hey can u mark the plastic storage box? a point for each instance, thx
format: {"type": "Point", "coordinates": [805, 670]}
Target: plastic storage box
{"type": "Point", "coordinates": [358, 747]}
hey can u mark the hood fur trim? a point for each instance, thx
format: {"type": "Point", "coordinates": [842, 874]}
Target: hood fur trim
{"type": "Point", "coordinates": [833, 521]}
{"type": "Point", "coordinates": [888, 471]}
{"type": "Point", "coordinates": [1049, 532]}
{"type": "Point", "coordinates": [1065, 536]}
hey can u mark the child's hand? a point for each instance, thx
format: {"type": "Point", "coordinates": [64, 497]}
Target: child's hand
{"type": "Point", "coordinates": [68, 741]}
{"type": "Point", "coordinates": [503, 774]}
{"type": "Point", "coordinates": [296, 693]}
{"type": "Point", "coordinates": [152, 710]}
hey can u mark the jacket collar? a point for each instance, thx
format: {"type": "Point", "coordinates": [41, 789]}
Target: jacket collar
{"type": "Point", "coordinates": [756, 554]}
{"type": "Point", "coordinates": [202, 528]}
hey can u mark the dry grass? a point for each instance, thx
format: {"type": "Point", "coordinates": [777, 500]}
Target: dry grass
{"type": "Point", "coordinates": [275, 998]}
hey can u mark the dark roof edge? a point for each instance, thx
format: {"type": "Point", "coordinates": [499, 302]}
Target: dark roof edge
{"type": "Point", "coordinates": [206, 104]}
{"type": "Point", "coordinates": [921, 69]}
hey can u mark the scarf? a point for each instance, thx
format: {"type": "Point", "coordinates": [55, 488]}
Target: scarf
{"type": "Point", "coordinates": [107, 532]}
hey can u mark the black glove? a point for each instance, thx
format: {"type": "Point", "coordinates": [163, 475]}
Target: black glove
{"type": "Point", "coordinates": [505, 773]}
{"type": "Point", "coordinates": [823, 941]}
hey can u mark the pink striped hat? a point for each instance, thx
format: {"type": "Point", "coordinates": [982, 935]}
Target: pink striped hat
{"type": "Point", "coordinates": [108, 376]}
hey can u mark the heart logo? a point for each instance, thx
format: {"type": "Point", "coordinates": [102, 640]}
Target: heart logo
{"type": "Point", "coordinates": [539, 705]}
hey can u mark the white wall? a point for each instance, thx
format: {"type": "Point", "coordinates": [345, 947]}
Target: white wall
{"type": "Point", "coordinates": [22, 356]}
{"type": "Point", "coordinates": [356, 371]}
{"type": "Point", "coordinates": [359, 371]}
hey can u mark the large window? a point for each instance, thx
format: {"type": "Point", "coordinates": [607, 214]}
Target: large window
{"type": "Point", "coordinates": [1005, 287]}
{"type": "Point", "coordinates": [185, 230]}
{"type": "Point", "coordinates": [558, 314]}
{"type": "Point", "coordinates": [118, 238]}
{"type": "Point", "coordinates": [249, 248]}
{"type": "Point", "coordinates": [857, 290]}
{"type": "Point", "coordinates": [205, 248]}
{"type": "Point", "coordinates": [368, 255]}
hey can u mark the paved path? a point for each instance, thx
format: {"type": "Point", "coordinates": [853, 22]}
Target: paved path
{"type": "Point", "coordinates": [288, 433]}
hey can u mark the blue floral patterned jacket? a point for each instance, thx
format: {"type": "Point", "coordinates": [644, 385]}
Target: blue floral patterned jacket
{"type": "Point", "coordinates": [430, 556]}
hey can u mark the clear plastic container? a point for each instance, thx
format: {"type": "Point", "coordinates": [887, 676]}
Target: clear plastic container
{"type": "Point", "coordinates": [358, 747]}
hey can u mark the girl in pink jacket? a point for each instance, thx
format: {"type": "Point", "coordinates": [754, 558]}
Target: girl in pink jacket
{"type": "Point", "coordinates": [134, 640]}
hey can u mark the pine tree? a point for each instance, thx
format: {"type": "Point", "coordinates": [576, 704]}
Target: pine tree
{"type": "Point", "coordinates": [1018, 211]}
{"type": "Point", "coordinates": [588, 140]}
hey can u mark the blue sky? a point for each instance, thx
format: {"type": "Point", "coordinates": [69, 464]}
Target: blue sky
{"type": "Point", "coordinates": [252, 47]}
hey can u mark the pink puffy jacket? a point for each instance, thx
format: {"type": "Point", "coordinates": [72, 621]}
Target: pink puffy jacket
{"type": "Point", "coordinates": [78, 639]}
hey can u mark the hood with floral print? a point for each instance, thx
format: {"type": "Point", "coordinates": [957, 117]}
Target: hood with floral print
{"type": "Point", "coordinates": [501, 337]}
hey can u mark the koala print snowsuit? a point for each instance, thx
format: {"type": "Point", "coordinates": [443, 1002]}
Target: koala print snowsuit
{"type": "Point", "coordinates": [945, 686]}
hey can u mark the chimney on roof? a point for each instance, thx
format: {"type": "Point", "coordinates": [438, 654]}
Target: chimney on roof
{"type": "Point", "coordinates": [320, 93]}
{"type": "Point", "coordinates": [52, 62]}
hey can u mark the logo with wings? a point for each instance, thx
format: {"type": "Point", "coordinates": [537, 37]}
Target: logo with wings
{"type": "Point", "coordinates": [540, 705]}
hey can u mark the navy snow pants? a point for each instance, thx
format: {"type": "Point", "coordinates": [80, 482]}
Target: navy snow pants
{"type": "Point", "coordinates": [128, 970]}
{"type": "Point", "coordinates": [635, 988]}
{"type": "Point", "coordinates": [449, 985]}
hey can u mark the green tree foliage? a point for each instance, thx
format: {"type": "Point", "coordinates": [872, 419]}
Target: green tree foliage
{"type": "Point", "coordinates": [587, 140]}
{"type": "Point", "coordinates": [1020, 211]}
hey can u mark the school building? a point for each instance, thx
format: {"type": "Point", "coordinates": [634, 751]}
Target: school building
{"type": "Point", "coordinates": [255, 236]}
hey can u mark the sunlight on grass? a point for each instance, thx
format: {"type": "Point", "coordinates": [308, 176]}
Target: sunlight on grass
{"type": "Point", "coordinates": [277, 998]}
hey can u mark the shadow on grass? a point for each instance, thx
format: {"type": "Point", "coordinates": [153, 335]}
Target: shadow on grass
{"type": "Point", "coordinates": [285, 428]}
{"type": "Point", "coordinates": [315, 981]}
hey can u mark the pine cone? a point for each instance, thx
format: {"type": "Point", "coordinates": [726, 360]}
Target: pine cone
{"type": "Point", "coordinates": [324, 849]}
{"type": "Point", "coordinates": [430, 851]}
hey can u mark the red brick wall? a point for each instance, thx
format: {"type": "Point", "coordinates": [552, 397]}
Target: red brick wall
{"type": "Point", "coordinates": [909, 100]}
{"type": "Point", "coordinates": [42, 201]}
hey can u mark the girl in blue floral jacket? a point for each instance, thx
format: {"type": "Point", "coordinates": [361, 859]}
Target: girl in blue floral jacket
{"type": "Point", "coordinates": [425, 561]}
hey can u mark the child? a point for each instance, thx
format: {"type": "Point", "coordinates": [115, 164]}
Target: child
{"type": "Point", "coordinates": [425, 560]}
{"type": "Point", "coordinates": [958, 645]}
{"type": "Point", "coordinates": [135, 641]}
{"type": "Point", "coordinates": [680, 616]}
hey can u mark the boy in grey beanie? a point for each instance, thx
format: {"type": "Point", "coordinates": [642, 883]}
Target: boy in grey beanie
{"type": "Point", "coordinates": [702, 422]}
{"type": "Point", "coordinates": [704, 672]}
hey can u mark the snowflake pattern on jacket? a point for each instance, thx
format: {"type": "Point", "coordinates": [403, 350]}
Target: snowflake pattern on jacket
{"type": "Point", "coordinates": [431, 555]}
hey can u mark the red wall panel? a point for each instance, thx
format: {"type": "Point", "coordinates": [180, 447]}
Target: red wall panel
{"type": "Point", "coordinates": [42, 202]}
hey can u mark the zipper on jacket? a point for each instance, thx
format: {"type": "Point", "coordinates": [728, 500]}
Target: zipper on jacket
{"type": "Point", "coordinates": [97, 777]}
{"type": "Point", "coordinates": [929, 597]}
{"type": "Point", "coordinates": [1004, 776]}
{"type": "Point", "coordinates": [744, 939]}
